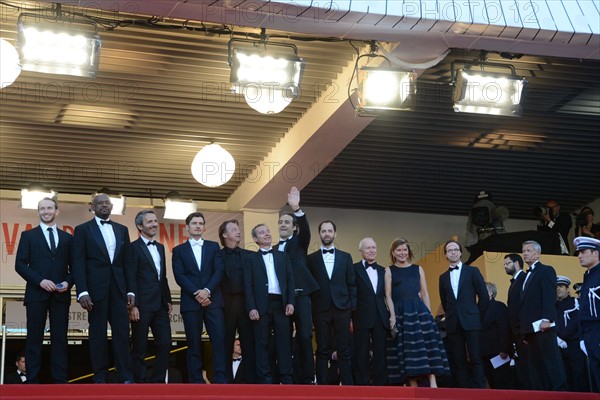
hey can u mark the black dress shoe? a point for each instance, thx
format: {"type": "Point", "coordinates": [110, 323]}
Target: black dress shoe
{"type": "Point", "coordinates": [128, 381]}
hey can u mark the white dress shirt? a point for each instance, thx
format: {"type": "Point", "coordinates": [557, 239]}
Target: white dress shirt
{"type": "Point", "coordinates": [47, 234]}
{"type": "Point", "coordinates": [155, 255]}
{"type": "Point", "coordinates": [328, 260]}
{"type": "Point", "coordinates": [197, 249]}
{"type": "Point", "coordinates": [454, 278]}
{"type": "Point", "coordinates": [109, 237]}
{"type": "Point", "coordinates": [273, 284]}
{"type": "Point", "coordinates": [372, 276]}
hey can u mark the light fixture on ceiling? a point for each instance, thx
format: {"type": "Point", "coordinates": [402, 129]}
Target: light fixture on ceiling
{"type": "Point", "coordinates": [31, 196]}
{"type": "Point", "coordinates": [117, 199]}
{"type": "Point", "coordinates": [57, 45]}
{"type": "Point", "coordinates": [269, 80]}
{"type": "Point", "coordinates": [383, 88]}
{"type": "Point", "coordinates": [176, 207]}
{"type": "Point", "coordinates": [9, 64]}
{"type": "Point", "coordinates": [213, 166]}
{"type": "Point", "coordinates": [483, 92]}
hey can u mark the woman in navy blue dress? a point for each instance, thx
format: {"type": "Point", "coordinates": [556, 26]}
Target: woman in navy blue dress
{"type": "Point", "coordinates": [417, 349]}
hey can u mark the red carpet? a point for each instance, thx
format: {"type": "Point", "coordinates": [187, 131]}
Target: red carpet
{"type": "Point", "coordinates": [260, 392]}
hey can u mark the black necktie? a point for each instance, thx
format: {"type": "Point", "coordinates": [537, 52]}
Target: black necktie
{"type": "Point", "coordinates": [325, 251]}
{"type": "Point", "coordinates": [151, 243]}
{"type": "Point", "coordinates": [453, 268]}
{"type": "Point", "coordinates": [52, 241]}
{"type": "Point", "coordinates": [265, 252]}
{"type": "Point", "coordinates": [367, 265]}
{"type": "Point", "coordinates": [105, 222]}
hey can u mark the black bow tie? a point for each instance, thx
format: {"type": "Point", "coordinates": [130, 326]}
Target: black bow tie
{"type": "Point", "coordinates": [265, 252]}
{"type": "Point", "coordinates": [151, 243]}
{"type": "Point", "coordinates": [105, 222]}
{"type": "Point", "coordinates": [21, 373]}
{"type": "Point", "coordinates": [325, 251]}
{"type": "Point", "coordinates": [237, 359]}
{"type": "Point", "coordinates": [234, 250]}
{"type": "Point", "coordinates": [367, 265]}
{"type": "Point", "coordinates": [453, 268]}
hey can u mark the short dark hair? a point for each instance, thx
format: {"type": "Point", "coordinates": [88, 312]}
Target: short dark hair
{"type": "Point", "coordinates": [194, 215]}
{"type": "Point", "coordinates": [139, 218]}
{"type": "Point", "coordinates": [294, 221]}
{"type": "Point", "coordinates": [51, 199]}
{"type": "Point", "coordinates": [223, 229]}
{"type": "Point", "coordinates": [328, 221]}
{"type": "Point", "coordinates": [20, 354]}
{"type": "Point", "coordinates": [452, 241]}
{"type": "Point", "coordinates": [514, 257]}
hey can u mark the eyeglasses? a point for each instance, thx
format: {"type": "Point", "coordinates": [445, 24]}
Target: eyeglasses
{"type": "Point", "coordinates": [506, 264]}
{"type": "Point", "coordinates": [452, 250]}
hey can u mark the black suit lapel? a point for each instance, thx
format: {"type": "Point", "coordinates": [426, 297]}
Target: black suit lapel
{"type": "Point", "coordinates": [42, 236]}
{"type": "Point", "coordinates": [144, 249]}
{"type": "Point", "coordinates": [461, 279]}
{"type": "Point", "coordinates": [380, 279]}
{"type": "Point", "coordinates": [97, 235]}
{"type": "Point", "coordinates": [362, 273]}
{"type": "Point", "coordinates": [163, 262]}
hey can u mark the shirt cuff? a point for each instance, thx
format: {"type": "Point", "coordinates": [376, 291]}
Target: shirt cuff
{"type": "Point", "coordinates": [131, 293]}
{"type": "Point", "coordinates": [82, 294]}
{"type": "Point", "coordinates": [551, 224]}
{"type": "Point", "coordinates": [299, 213]}
{"type": "Point", "coordinates": [207, 291]}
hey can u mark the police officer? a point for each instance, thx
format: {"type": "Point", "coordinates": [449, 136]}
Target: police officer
{"type": "Point", "coordinates": [567, 329]}
{"type": "Point", "coordinates": [588, 252]}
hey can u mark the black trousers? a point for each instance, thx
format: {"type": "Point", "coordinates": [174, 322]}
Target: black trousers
{"type": "Point", "coordinates": [332, 329]}
{"type": "Point", "coordinates": [274, 319]}
{"type": "Point", "coordinates": [304, 361]}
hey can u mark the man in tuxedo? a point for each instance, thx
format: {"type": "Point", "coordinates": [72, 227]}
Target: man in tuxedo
{"type": "Point", "coordinates": [44, 260]}
{"type": "Point", "coordinates": [235, 261]}
{"type": "Point", "coordinates": [146, 274]}
{"type": "Point", "coordinates": [371, 319]}
{"type": "Point", "coordinates": [99, 248]}
{"type": "Point", "coordinates": [294, 233]}
{"type": "Point", "coordinates": [464, 298]}
{"type": "Point", "coordinates": [20, 374]}
{"type": "Point", "coordinates": [513, 265]}
{"type": "Point", "coordinates": [237, 369]}
{"type": "Point", "coordinates": [588, 252]}
{"type": "Point", "coordinates": [495, 341]}
{"type": "Point", "coordinates": [332, 304]}
{"type": "Point", "coordinates": [198, 270]}
{"type": "Point", "coordinates": [537, 316]}
{"type": "Point", "coordinates": [554, 221]}
{"type": "Point", "coordinates": [270, 297]}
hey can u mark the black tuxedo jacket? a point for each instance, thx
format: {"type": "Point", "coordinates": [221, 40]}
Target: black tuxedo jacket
{"type": "Point", "coordinates": [36, 262]}
{"type": "Point", "coordinates": [191, 279]}
{"type": "Point", "coordinates": [151, 291]}
{"type": "Point", "coordinates": [92, 268]}
{"type": "Point", "coordinates": [495, 330]}
{"type": "Point", "coordinates": [468, 308]}
{"type": "Point", "coordinates": [370, 304]}
{"type": "Point", "coordinates": [513, 303]}
{"type": "Point", "coordinates": [12, 377]}
{"type": "Point", "coordinates": [297, 248]}
{"type": "Point", "coordinates": [256, 283]}
{"type": "Point", "coordinates": [538, 297]}
{"type": "Point", "coordinates": [340, 290]}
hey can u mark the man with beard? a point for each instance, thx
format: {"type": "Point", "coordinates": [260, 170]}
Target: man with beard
{"type": "Point", "coordinates": [332, 304]}
{"type": "Point", "coordinates": [43, 260]}
{"type": "Point", "coordinates": [513, 265]}
{"type": "Point", "coordinates": [146, 275]}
